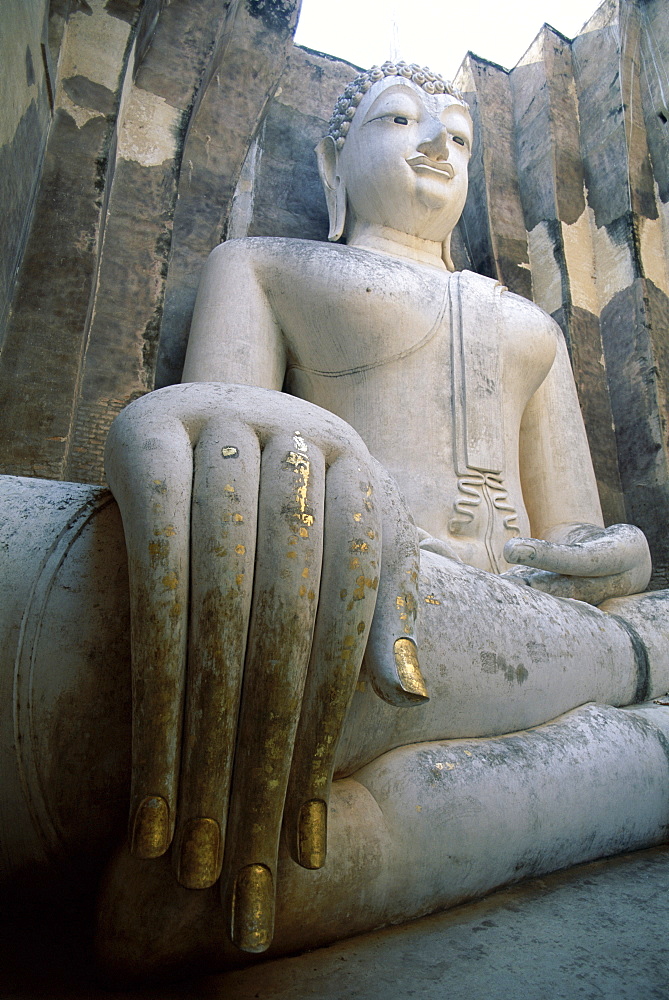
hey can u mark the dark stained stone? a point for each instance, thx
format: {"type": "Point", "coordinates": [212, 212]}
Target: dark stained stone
{"type": "Point", "coordinates": [289, 197]}
{"type": "Point", "coordinates": [634, 327]}
{"type": "Point", "coordinates": [474, 226]}
{"type": "Point", "coordinates": [178, 48]}
{"type": "Point", "coordinates": [276, 15]}
{"type": "Point", "coordinates": [602, 124]}
{"type": "Point", "coordinates": [511, 253]}
{"type": "Point", "coordinates": [30, 69]}
{"type": "Point", "coordinates": [583, 335]}
{"type": "Point", "coordinates": [91, 95]}
{"type": "Point", "coordinates": [120, 356]}
{"type": "Point", "coordinates": [37, 385]}
{"type": "Point", "coordinates": [145, 30]}
{"type": "Point", "coordinates": [20, 163]}
{"type": "Point", "coordinates": [616, 162]}
{"type": "Point", "coordinates": [623, 233]}
{"type": "Point", "coordinates": [534, 142]}
{"type": "Point", "coordinates": [124, 10]}
{"type": "Point", "coordinates": [550, 168]}
{"type": "Point", "coordinates": [655, 60]}
{"type": "Point", "coordinates": [56, 25]}
{"type": "Point", "coordinates": [459, 253]}
{"type": "Point", "coordinates": [565, 127]}
{"type": "Point", "coordinates": [247, 64]}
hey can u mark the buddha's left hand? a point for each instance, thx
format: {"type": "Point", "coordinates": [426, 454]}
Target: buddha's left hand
{"type": "Point", "coordinates": [582, 561]}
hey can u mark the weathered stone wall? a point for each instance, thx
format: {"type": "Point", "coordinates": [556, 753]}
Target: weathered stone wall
{"type": "Point", "coordinates": [154, 107]}
{"type": "Point", "coordinates": [24, 126]}
{"type": "Point", "coordinates": [47, 332]}
{"type": "Point", "coordinates": [172, 126]}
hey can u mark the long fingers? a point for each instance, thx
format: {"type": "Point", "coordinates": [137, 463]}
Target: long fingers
{"type": "Point", "coordinates": [225, 492]}
{"type": "Point", "coordinates": [602, 552]}
{"type": "Point", "coordinates": [349, 581]}
{"type": "Point", "coordinates": [392, 654]}
{"type": "Point", "coordinates": [285, 597]}
{"type": "Point", "coordinates": [589, 589]}
{"type": "Point", "coordinates": [149, 466]}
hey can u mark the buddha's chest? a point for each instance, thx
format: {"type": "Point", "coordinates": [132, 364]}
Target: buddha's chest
{"type": "Point", "coordinates": [355, 322]}
{"type": "Point", "coordinates": [358, 312]}
{"type": "Point", "coordinates": [378, 340]}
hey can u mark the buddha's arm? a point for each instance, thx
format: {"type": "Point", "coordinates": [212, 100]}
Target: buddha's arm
{"type": "Point", "coordinates": [556, 470]}
{"type": "Point", "coordinates": [234, 336]}
{"type": "Point", "coordinates": [572, 554]}
{"type": "Point", "coordinates": [253, 527]}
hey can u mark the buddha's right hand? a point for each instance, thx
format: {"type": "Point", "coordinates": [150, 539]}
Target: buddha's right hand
{"type": "Point", "coordinates": [253, 526]}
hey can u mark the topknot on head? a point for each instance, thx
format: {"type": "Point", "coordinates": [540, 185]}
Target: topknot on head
{"type": "Point", "coordinates": [432, 83]}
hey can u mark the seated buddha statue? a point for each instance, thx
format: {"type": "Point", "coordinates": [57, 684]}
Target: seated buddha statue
{"type": "Point", "coordinates": [366, 519]}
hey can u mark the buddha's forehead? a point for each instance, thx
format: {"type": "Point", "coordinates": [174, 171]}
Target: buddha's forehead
{"type": "Point", "coordinates": [384, 91]}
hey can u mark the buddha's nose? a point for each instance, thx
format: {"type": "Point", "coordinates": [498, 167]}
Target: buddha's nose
{"type": "Point", "coordinates": [435, 144]}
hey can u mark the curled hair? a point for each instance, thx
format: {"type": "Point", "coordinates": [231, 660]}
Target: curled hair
{"type": "Point", "coordinates": [345, 108]}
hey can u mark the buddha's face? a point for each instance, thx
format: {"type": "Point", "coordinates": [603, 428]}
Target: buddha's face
{"type": "Point", "coordinates": [404, 162]}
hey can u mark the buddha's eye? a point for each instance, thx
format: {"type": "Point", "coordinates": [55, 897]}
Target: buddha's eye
{"type": "Point", "coordinates": [460, 141]}
{"type": "Point", "coordinates": [400, 120]}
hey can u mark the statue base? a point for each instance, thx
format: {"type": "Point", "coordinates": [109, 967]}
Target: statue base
{"type": "Point", "coordinates": [421, 829]}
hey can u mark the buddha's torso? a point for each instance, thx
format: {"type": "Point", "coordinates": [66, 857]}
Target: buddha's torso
{"type": "Point", "coordinates": [370, 338]}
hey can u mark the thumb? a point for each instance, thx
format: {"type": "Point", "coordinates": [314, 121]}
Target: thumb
{"type": "Point", "coordinates": [392, 651]}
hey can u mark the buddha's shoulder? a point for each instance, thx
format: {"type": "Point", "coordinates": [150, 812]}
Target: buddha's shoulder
{"type": "Point", "coordinates": [528, 330]}
{"type": "Point", "coordinates": [270, 256]}
{"type": "Point", "coordinates": [521, 310]}
{"type": "Point", "coordinates": [280, 251]}
{"type": "Point", "coordinates": [514, 308]}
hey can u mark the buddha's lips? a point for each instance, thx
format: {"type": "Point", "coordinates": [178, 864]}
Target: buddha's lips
{"type": "Point", "coordinates": [439, 166]}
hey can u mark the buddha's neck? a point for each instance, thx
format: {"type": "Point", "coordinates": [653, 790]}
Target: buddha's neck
{"type": "Point", "coordinates": [382, 239]}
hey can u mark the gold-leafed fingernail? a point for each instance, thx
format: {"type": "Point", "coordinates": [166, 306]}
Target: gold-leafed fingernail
{"type": "Point", "coordinates": [151, 828]}
{"type": "Point", "coordinates": [406, 661]}
{"type": "Point", "coordinates": [253, 909]}
{"type": "Point", "coordinates": [312, 834]}
{"type": "Point", "coordinates": [199, 853]}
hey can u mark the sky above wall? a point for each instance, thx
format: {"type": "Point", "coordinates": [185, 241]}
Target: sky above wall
{"type": "Point", "coordinates": [436, 33]}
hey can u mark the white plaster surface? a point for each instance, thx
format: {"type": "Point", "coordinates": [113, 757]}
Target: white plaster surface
{"type": "Point", "coordinates": [614, 265]}
{"type": "Point", "coordinates": [653, 237]}
{"type": "Point", "coordinates": [580, 261]}
{"type": "Point", "coordinates": [503, 789]}
{"type": "Point", "coordinates": [149, 128]}
{"type": "Point", "coordinates": [95, 44]}
{"type": "Point", "coordinates": [429, 826]}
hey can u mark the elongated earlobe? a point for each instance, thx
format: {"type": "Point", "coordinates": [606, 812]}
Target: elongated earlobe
{"type": "Point", "coordinates": [333, 186]}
